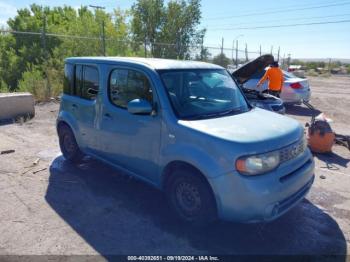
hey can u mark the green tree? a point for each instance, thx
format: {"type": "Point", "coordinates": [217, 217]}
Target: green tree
{"type": "Point", "coordinates": [147, 20]}
{"type": "Point", "coordinates": [22, 52]}
{"type": "Point", "coordinates": [167, 31]}
{"type": "Point", "coordinates": [180, 29]}
{"type": "Point", "coordinates": [221, 60]}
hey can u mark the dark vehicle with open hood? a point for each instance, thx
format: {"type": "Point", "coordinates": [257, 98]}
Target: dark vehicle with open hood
{"type": "Point", "coordinates": [256, 98]}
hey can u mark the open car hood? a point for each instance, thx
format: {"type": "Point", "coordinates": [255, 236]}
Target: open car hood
{"type": "Point", "coordinates": [246, 71]}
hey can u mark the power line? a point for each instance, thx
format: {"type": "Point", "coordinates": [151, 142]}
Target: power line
{"type": "Point", "coordinates": [23, 33]}
{"type": "Point", "coordinates": [103, 37]}
{"type": "Point", "coordinates": [49, 34]}
{"type": "Point", "coordinates": [287, 25]}
{"type": "Point", "coordinates": [97, 7]}
{"type": "Point", "coordinates": [282, 7]}
{"type": "Point", "coordinates": [280, 11]}
{"type": "Point", "coordinates": [278, 20]}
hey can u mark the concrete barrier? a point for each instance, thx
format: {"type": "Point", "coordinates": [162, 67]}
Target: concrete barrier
{"type": "Point", "coordinates": [14, 105]}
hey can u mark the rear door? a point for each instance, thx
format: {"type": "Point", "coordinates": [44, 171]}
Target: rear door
{"type": "Point", "coordinates": [87, 89]}
{"type": "Point", "coordinates": [128, 140]}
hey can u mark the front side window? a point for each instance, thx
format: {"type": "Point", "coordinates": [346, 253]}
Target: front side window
{"type": "Point", "coordinates": [126, 85]}
{"type": "Point", "coordinates": [203, 93]}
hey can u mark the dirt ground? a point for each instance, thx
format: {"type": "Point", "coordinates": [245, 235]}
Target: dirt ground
{"type": "Point", "coordinates": [55, 208]}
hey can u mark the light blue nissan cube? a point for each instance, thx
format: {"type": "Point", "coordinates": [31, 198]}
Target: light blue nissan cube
{"type": "Point", "coordinates": [185, 128]}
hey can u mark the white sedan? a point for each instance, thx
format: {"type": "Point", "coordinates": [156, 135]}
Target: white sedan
{"type": "Point", "coordinates": [294, 90]}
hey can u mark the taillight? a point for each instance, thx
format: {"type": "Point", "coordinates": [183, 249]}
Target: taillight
{"type": "Point", "coordinates": [296, 85]}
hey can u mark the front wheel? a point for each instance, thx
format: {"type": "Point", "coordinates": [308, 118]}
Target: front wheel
{"type": "Point", "coordinates": [68, 144]}
{"type": "Point", "coordinates": [191, 198]}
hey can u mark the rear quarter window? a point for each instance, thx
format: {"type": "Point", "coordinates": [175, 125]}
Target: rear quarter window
{"type": "Point", "coordinates": [68, 83]}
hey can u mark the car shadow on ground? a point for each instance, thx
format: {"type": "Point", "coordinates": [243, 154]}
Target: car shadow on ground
{"type": "Point", "coordinates": [118, 215]}
{"type": "Point", "coordinates": [300, 110]}
{"type": "Point", "coordinates": [332, 159]}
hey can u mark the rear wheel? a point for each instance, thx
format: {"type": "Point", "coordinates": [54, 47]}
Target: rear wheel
{"type": "Point", "coordinates": [191, 197]}
{"type": "Point", "coordinates": [68, 144]}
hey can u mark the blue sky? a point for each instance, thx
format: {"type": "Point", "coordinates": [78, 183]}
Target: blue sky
{"type": "Point", "coordinates": [223, 18]}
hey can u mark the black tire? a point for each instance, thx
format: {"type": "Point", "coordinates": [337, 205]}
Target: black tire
{"type": "Point", "coordinates": [68, 144]}
{"type": "Point", "coordinates": [191, 197]}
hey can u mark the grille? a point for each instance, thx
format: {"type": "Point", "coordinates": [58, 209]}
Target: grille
{"type": "Point", "coordinates": [292, 151]}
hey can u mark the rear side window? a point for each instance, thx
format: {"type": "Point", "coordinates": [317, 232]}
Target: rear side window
{"type": "Point", "coordinates": [78, 80]}
{"type": "Point", "coordinates": [68, 84]}
{"type": "Point", "coordinates": [84, 81]}
{"type": "Point", "coordinates": [90, 85]}
{"type": "Point", "coordinates": [127, 85]}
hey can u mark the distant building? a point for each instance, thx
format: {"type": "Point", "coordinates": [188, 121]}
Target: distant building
{"type": "Point", "coordinates": [293, 68]}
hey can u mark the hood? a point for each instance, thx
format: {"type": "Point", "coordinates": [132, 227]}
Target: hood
{"type": "Point", "coordinates": [246, 71]}
{"type": "Point", "coordinates": [255, 131]}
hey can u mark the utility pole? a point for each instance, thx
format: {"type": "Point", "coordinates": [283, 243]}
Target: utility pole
{"type": "Point", "coordinates": [278, 55]}
{"type": "Point", "coordinates": [222, 52]}
{"type": "Point", "coordinates": [43, 38]}
{"type": "Point", "coordinates": [237, 53]}
{"type": "Point", "coordinates": [103, 37]}
{"type": "Point", "coordinates": [288, 61]}
{"type": "Point", "coordinates": [271, 50]}
{"type": "Point", "coordinates": [246, 52]}
{"type": "Point", "coordinates": [329, 64]}
{"type": "Point", "coordinates": [260, 50]}
{"type": "Point", "coordinates": [233, 47]}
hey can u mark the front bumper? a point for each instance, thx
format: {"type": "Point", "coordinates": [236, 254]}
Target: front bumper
{"type": "Point", "coordinates": [265, 197]}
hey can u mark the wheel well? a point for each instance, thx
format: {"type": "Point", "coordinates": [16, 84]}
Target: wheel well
{"type": "Point", "coordinates": [60, 124]}
{"type": "Point", "coordinates": [171, 167]}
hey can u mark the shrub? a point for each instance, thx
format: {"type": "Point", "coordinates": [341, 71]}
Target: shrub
{"type": "Point", "coordinates": [3, 87]}
{"type": "Point", "coordinates": [42, 86]}
{"type": "Point", "coordinates": [33, 81]}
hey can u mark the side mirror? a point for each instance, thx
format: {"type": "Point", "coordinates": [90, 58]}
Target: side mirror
{"type": "Point", "coordinates": [140, 107]}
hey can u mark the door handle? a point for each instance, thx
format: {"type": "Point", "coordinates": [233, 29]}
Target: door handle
{"type": "Point", "coordinates": [74, 106]}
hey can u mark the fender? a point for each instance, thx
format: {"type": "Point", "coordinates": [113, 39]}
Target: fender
{"type": "Point", "coordinates": [71, 121]}
{"type": "Point", "coordinates": [209, 165]}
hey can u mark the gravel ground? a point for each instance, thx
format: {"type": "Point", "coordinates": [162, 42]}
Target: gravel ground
{"type": "Point", "coordinates": [53, 208]}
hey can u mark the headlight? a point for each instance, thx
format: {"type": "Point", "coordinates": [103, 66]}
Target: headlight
{"type": "Point", "coordinates": [258, 164]}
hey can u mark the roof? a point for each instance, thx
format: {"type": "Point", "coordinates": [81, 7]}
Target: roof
{"type": "Point", "coordinates": [153, 63]}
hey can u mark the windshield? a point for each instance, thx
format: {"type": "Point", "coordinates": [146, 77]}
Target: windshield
{"type": "Point", "coordinates": [203, 93]}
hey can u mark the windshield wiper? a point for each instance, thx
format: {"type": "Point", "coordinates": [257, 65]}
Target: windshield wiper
{"type": "Point", "coordinates": [211, 115]}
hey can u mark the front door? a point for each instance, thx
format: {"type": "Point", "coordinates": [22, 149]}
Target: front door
{"type": "Point", "coordinates": [129, 140]}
